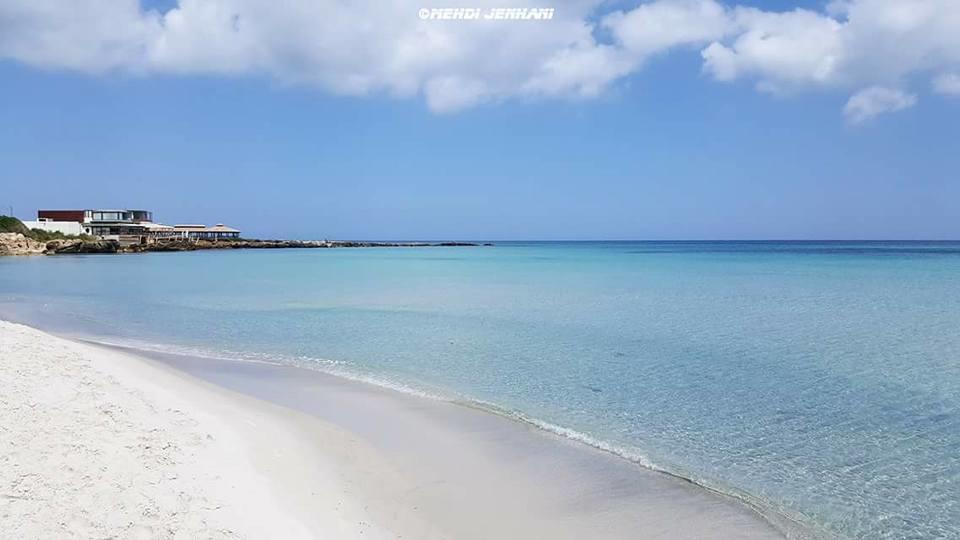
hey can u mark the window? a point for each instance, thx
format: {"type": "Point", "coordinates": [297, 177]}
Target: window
{"type": "Point", "coordinates": [110, 216]}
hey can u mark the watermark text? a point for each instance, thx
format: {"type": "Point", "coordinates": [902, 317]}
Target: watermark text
{"type": "Point", "coordinates": [491, 14]}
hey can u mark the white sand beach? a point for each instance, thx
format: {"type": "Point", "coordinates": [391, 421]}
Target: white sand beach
{"type": "Point", "coordinates": [100, 443]}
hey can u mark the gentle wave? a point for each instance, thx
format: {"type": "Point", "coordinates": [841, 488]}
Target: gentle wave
{"type": "Point", "coordinates": [791, 527]}
{"type": "Point", "coordinates": [327, 366]}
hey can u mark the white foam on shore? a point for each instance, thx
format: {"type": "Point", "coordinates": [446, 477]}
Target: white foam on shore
{"type": "Point", "coordinates": [792, 527]}
{"type": "Point", "coordinates": [328, 366]}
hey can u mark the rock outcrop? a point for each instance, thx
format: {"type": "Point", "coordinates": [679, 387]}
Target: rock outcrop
{"type": "Point", "coordinates": [18, 244]}
{"type": "Point", "coordinates": [190, 245]}
{"type": "Point", "coordinates": [57, 247]}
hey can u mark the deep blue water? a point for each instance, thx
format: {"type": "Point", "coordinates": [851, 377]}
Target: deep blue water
{"type": "Point", "coordinates": [820, 379]}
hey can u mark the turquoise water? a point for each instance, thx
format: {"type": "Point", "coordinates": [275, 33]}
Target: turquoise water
{"type": "Point", "coordinates": [820, 380]}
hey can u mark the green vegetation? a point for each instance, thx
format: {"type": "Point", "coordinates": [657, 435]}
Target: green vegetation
{"type": "Point", "coordinates": [46, 236]}
{"type": "Point", "coordinates": [11, 224]}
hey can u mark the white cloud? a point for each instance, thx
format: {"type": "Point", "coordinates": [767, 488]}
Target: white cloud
{"type": "Point", "coordinates": [947, 84]}
{"type": "Point", "coordinates": [658, 26]}
{"type": "Point", "coordinates": [381, 47]}
{"type": "Point", "coordinates": [780, 49]}
{"type": "Point", "coordinates": [853, 43]}
{"type": "Point", "coordinates": [355, 48]}
{"type": "Point", "coordinates": [874, 101]}
{"type": "Point", "coordinates": [584, 69]}
{"type": "Point", "coordinates": [86, 35]}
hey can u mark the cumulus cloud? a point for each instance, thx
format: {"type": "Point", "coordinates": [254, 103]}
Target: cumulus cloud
{"type": "Point", "coordinates": [874, 101]}
{"type": "Point", "coordinates": [780, 49]}
{"type": "Point", "coordinates": [355, 48]}
{"type": "Point", "coordinates": [655, 27]}
{"type": "Point", "coordinates": [86, 35]}
{"type": "Point", "coordinates": [877, 44]}
{"type": "Point", "coordinates": [381, 47]}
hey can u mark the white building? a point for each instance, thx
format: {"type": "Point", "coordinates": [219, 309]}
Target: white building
{"type": "Point", "coordinates": [64, 227]}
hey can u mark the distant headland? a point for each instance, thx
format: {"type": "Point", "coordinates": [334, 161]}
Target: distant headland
{"type": "Point", "coordinates": [56, 232]}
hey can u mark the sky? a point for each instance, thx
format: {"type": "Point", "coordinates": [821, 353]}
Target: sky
{"type": "Point", "coordinates": [663, 119]}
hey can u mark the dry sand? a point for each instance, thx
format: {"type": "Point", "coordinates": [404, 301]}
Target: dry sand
{"type": "Point", "coordinates": [98, 444]}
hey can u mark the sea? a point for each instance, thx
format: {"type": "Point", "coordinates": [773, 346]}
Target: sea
{"type": "Point", "coordinates": [818, 381]}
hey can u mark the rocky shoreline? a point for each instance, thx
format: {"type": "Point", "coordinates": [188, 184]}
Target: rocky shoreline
{"type": "Point", "coordinates": [18, 244]}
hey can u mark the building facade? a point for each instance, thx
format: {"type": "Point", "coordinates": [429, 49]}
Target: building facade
{"type": "Point", "coordinates": [202, 232]}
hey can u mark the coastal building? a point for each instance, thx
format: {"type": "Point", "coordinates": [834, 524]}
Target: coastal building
{"type": "Point", "coordinates": [159, 231]}
{"type": "Point", "coordinates": [128, 226]}
{"type": "Point", "coordinates": [99, 222]}
{"type": "Point", "coordinates": [202, 232]}
{"type": "Point", "coordinates": [125, 226]}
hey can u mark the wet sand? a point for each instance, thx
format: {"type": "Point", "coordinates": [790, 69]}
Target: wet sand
{"type": "Point", "coordinates": [473, 474]}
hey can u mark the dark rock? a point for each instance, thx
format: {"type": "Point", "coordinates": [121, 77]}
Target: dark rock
{"type": "Point", "coordinates": [69, 247]}
{"type": "Point", "coordinates": [57, 247]}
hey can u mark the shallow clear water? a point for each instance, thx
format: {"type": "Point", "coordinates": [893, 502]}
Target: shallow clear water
{"type": "Point", "coordinates": [819, 379]}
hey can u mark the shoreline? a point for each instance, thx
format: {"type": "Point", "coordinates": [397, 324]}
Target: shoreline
{"type": "Point", "coordinates": [785, 526]}
{"type": "Point", "coordinates": [632, 500]}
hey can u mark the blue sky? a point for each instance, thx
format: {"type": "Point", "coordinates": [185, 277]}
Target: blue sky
{"type": "Point", "coordinates": [666, 151]}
